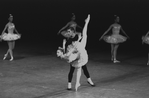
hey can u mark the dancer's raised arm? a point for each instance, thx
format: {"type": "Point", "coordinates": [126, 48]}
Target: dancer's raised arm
{"type": "Point", "coordinates": [84, 32]}
{"type": "Point", "coordinates": [63, 28]}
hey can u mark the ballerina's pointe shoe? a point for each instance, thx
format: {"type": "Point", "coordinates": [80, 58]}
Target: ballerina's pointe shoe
{"type": "Point", "coordinates": [4, 56]}
{"type": "Point", "coordinates": [69, 86]}
{"type": "Point", "coordinates": [77, 86]}
{"type": "Point", "coordinates": [11, 59]}
{"type": "Point", "coordinates": [116, 61]}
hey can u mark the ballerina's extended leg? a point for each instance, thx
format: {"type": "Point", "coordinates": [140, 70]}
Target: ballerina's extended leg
{"type": "Point", "coordinates": [5, 56]}
{"type": "Point", "coordinates": [78, 78]}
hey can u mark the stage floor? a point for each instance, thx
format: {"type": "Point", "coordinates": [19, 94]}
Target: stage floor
{"type": "Point", "coordinates": [37, 74]}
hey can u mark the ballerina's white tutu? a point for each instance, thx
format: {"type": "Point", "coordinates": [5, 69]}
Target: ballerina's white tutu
{"type": "Point", "coordinates": [75, 58]}
{"type": "Point", "coordinates": [145, 39]}
{"type": "Point", "coordinates": [10, 37]}
{"type": "Point", "coordinates": [67, 33]}
{"type": "Point", "coordinates": [82, 56]}
{"type": "Point", "coordinates": [81, 60]}
{"type": "Point", "coordinates": [69, 58]}
{"type": "Point", "coordinates": [115, 38]}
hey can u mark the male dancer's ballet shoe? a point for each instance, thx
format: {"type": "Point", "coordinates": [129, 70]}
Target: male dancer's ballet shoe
{"type": "Point", "coordinates": [116, 61]}
{"type": "Point", "coordinates": [147, 63]}
{"type": "Point", "coordinates": [89, 81]}
{"type": "Point", "coordinates": [4, 56]}
{"type": "Point", "coordinates": [77, 86]}
{"type": "Point", "coordinates": [69, 86]}
{"type": "Point", "coordinates": [93, 85]}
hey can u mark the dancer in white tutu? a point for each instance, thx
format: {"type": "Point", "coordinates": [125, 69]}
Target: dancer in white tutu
{"type": "Point", "coordinates": [115, 38]}
{"type": "Point", "coordinates": [77, 56]}
{"type": "Point", "coordinates": [145, 39]}
{"type": "Point", "coordinates": [72, 25]}
{"type": "Point", "coordinates": [10, 37]}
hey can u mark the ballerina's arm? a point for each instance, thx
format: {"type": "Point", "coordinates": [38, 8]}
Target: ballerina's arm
{"type": "Point", "coordinates": [65, 26]}
{"type": "Point", "coordinates": [147, 33]}
{"type": "Point", "coordinates": [106, 31]}
{"type": "Point", "coordinates": [79, 26]}
{"type": "Point", "coordinates": [124, 32]}
{"type": "Point", "coordinates": [16, 31]}
{"type": "Point", "coordinates": [144, 37]}
{"type": "Point", "coordinates": [4, 29]}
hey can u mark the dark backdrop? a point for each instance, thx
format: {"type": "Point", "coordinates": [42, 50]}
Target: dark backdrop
{"type": "Point", "coordinates": [39, 20]}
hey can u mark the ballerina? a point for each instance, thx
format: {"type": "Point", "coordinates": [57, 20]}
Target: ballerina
{"type": "Point", "coordinates": [115, 38]}
{"type": "Point", "coordinates": [77, 57]}
{"type": "Point", "coordinates": [10, 37]}
{"type": "Point", "coordinates": [70, 26]}
{"type": "Point", "coordinates": [145, 39]}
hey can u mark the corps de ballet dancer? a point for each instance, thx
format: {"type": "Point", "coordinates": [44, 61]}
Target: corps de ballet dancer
{"type": "Point", "coordinates": [10, 37]}
{"type": "Point", "coordinates": [115, 38]}
{"type": "Point", "coordinates": [145, 39]}
{"type": "Point", "coordinates": [72, 25]}
{"type": "Point", "coordinates": [77, 56]}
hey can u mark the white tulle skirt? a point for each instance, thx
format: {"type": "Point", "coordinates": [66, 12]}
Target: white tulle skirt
{"type": "Point", "coordinates": [114, 39]}
{"type": "Point", "coordinates": [10, 37]}
{"type": "Point", "coordinates": [145, 39]}
{"type": "Point", "coordinates": [81, 60]}
{"type": "Point", "coordinates": [66, 34]}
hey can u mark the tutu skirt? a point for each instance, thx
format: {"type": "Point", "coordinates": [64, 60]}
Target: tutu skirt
{"type": "Point", "coordinates": [66, 34]}
{"type": "Point", "coordinates": [10, 37]}
{"type": "Point", "coordinates": [75, 58]}
{"type": "Point", "coordinates": [68, 58]}
{"type": "Point", "coordinates": [114, 39]}
{"type": "Point", "coordinates": [81, 60]}
{"type": "Point", "coordinates": [145, 39]}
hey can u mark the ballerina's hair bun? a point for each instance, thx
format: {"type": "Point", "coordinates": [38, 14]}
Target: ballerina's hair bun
{"type": "Point", "coordinates": [10, 15]}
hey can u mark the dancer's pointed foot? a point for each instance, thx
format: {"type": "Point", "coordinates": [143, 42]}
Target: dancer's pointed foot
{"type": "Point", "coordinates": [11, 59]}
{"type": "Point", "coordinates": [148, 63]}
{"type": "Point", "coordinates": [116, 61]}
{"type": "Point", "coordinates": [69, 86]}
{"type": "Point", "coordinates": [89, 81]}
{"type": "Point", "coordinates": [4, 56]}
{"type": "Point", "coordinates": [77, 86]}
